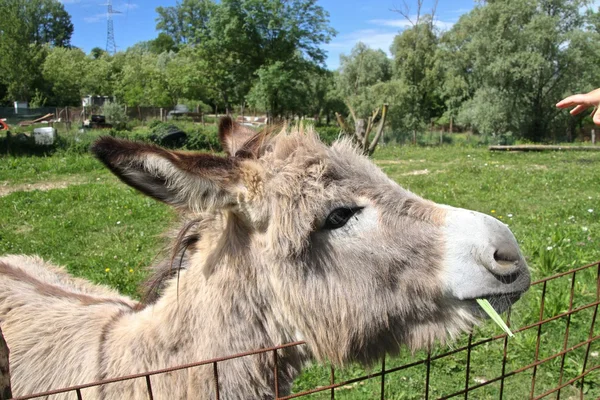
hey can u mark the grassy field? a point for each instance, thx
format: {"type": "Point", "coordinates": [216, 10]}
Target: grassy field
{"type": "Point", "coordinates": [70, 210]}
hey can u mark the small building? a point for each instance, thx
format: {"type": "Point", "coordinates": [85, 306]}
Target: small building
{"type": "Point", "coordinates": [95, 101]}
{"type": "Point", "coordinates": [23, 105]}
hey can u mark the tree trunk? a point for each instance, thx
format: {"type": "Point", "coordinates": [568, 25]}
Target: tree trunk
{"type": "Point", "coordinates": [342, 123]}
{"type": "Point", "coordinates": [379, 134]}
{"type": "Point", "coordinates": [360, 131]}
{"type": "Point", "coordinates": [5, 392]}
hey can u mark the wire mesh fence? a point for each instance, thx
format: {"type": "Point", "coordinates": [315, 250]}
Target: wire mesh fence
{"type": "Point", "coordinates": [555, 353]}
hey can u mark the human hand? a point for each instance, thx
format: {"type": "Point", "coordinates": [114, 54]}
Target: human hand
{"type": "Point", "coordinates": [583, 102]}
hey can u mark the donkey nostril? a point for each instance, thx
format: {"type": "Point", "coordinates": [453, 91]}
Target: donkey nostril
{"type": "Point", "coordinates": [508, 279]}
{"type": "Point", "coordinates": [505, 260]}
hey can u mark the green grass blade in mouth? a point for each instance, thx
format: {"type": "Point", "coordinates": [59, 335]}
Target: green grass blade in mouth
{"type": "Point", "coordinates": [487, 307]}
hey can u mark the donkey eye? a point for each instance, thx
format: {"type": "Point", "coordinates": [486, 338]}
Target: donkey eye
{"type": "Point", "coordinates": [340, 216]}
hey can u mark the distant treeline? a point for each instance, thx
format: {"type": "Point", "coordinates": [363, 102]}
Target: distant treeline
{"type": "Point", "coordinates": [498, 71]}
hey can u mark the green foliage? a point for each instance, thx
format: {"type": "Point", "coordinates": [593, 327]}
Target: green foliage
{"type": "Point", "coordinates": [38, 100]}
{"type": "Point", "coordinates": [418, 74]}
{"type": "Point", "coordinates": [97, 52]}
{"type": "Point", "coordinates": [115, 115]}
{"type": "Point", "coordinates": [499, 71]}
{"type": "Point", "coordinates": [187, 22]}
{"type": "Point", "coordinates": [163, 43]}
{"type": "Point", "coordinates": [64, 70]}
{"type": "Point", "coordinates": [241, 44]}
{"type": "Point", "coordinates": [518, 58]}
{"type": "Point", "coordinates": [203, 138]}
{"type": "Point", "coordinates": [143, 80]}
{"type": "Point", "coordinates": [26, 26]}
{"type": "Point", "coordinates": [359, 71]}
{"type": "Point", "coordinates": [279, 88]}
{"type": "Point", "coordinates": [328, 134]}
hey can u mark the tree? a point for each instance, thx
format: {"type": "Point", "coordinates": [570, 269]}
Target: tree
{"type": "Point", "coordinates": [97, 52]}
{"type": "Point", "coordinates": [143, 81]}
{"type": "Point", "coordinates": [281, 88]}
{"type": "Point", "coordinates": [322, 98]}
{"type": "Point", "coordinates": [26, 27]}
{"type": "Point", "coordinates": [238, 38]}
{"type": "Point", "coordinates": [101, 75]}
{"type": "Point", "coordinates": [416, 68]}
{"type": "Point", "coordinates": [163, 43]}
{"type": "Point", "coordinates": [184, 75]}
{"type": "Point", "coordinates": [65, 70]}
{"type": "Point", "coordinates": [160, 80]}
{"type": "Point", "coordinates": [186, 22]}
{"type": "Point", "coordinates": [363, 68]}
{"type": "Point", "coordinates": [522, 55]}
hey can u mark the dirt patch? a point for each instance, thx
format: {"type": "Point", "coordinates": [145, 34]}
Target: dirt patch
{"type": "Point", "coordinates": [396, 162]}
{"type": "Point", "coordinates": [6, 188]}
{"type": "Point", "coordinates": [417, 172]}
{"type": "Point", "coordinates": [538, 167]}
{"type": "Point", "coordinates": [390, 162]}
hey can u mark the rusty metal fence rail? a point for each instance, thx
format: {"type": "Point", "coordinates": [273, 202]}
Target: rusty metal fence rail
{"type": "Point", "coordinates": [579, 299]}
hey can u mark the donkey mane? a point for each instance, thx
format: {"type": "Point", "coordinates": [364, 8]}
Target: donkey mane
{"type": "Point", "coordinates": [175, 258]}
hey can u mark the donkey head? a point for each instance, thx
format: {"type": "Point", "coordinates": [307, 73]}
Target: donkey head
{"type": "Point", "coordinates": [334, 251]}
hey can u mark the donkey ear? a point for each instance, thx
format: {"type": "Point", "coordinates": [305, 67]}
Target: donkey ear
{"type": "Point", "coordinates": [192, 181]}
{"type": "Point", "coordinates": [238, 140]}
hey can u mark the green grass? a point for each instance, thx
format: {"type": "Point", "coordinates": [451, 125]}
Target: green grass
{"type": "Point", "coordinates": [549, 200]}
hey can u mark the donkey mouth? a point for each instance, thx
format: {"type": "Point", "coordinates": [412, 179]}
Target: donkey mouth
{"type": "Point", "coordinates": [500, 303]}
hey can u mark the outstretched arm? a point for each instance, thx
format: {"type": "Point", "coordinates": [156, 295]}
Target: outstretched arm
{"type": "Point", "coordinates": [583, 102]}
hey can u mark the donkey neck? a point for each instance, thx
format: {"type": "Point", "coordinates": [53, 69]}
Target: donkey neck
{"type": "Point", "coordinates": [218, 307]}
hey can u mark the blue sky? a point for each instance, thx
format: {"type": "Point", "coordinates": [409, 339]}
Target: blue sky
{"type": "Point", "coordinates": [371, 22]}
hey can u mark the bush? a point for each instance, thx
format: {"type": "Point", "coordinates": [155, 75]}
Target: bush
{"type": "Point", "coordinates": [198, 138]}
{"type": "Point", "coordinates": [115, 115]}
{"type": "Point", "coordinates": [204, 138]}
{"type": "Point", "coordinates": [328, 134]}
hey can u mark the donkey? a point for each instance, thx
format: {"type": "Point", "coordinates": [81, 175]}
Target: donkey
{"type": "Point", "coordinates": [284, 239]}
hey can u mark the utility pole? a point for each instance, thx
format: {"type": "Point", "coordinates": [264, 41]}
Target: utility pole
{"type": "Point", "coordinates": [111, 46]}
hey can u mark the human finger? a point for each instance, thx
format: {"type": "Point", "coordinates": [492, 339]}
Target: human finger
{"type": "Point", "coordinates": [579, 109]}
{"type": "Point", "coordinates": [596, 117]}
{"type": "Point", "coordinates": [570, 101]}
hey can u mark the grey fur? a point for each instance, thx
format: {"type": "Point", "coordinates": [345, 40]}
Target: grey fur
{"type": "Point", "coordinates": [260, 272]}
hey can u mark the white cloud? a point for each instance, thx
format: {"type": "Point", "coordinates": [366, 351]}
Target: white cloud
{"type": "Point", "coordinates": [69, 1]}
{"type": "Point", "coordinates": [381, 34]}
{"type": "Point", "coordinates": [396, 23]}
{"type": "Point", "coordinates": [371, 37]}
{"type": "Point", "coordinates": [120, 11]}
{"type": "Point", "coordinates": [128, 6]}
{"type": "Point", "coordinates": [460, 11]}
{"type": "Point", "coordinates": [403, 23]}
{"type": "Point", "coordinates": [96, 18]}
